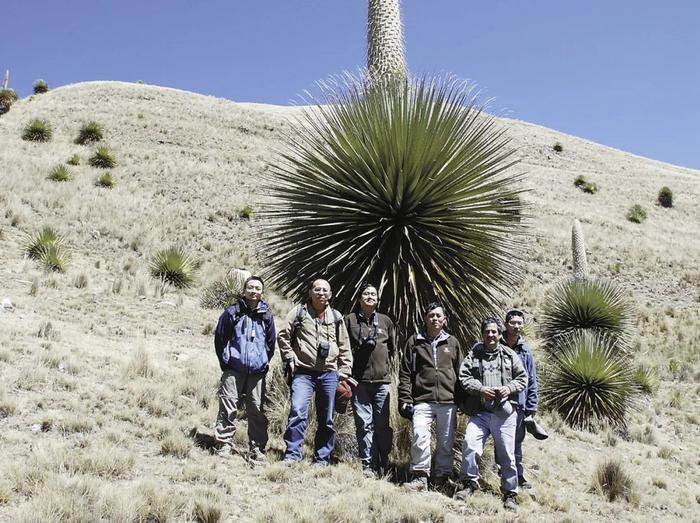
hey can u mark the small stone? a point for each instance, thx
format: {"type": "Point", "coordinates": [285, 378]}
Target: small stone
{"type": "Point", "coordinates": [36, 428]}
{"type": "Point", "coordinates": [7, 304]}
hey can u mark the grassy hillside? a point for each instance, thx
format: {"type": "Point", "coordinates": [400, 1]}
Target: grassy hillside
{"type": "Point", "coordinates": [104, 372]}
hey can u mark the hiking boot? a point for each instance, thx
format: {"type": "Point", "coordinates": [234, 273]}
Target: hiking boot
{"type": "Point", "coordinates": [510, 501]}
{"type": "Point", "coordinates": [466, 489]}
{"type": "Point", "coordinates": [224, 450]}
{"type": "Point", "coordinates": [257, 456]}
{"type": "Point", "coordinates": [523, 483]}
{"type": "Point", "coordinates": [417, 484]}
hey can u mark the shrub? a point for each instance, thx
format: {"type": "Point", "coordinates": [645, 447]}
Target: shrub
{"type": "Point", "coordinates": [580, 181]}
{"type": "Point", "coordinates": [222, 293]}
{"type": "Point", "coordinates": [48, 247]}
{"type": "Point", "coordinates": [645, 378]}
{"type": "Point", "coordinates": [102, 158]}
{"type": "Point", "coordinates": [586, 305]}
{"type": "Point", "coordinates": [7, 98]}
{"type": "Point", "coordinates": [665, 197]}
{"type": "Point", "coordinates": [74, 160]}
{"type": "Point", "coordinates": [590, 188]}
{"type": "Point", "coordinates": [89, 133]}
{"type": "Point", "coordinates": [612, 481]}
{"type": "Point", "coordinates": [246, 212]}
{"type": "Point", "coordinates": [408, 179]}
{"type": "Point", "coordinates": [589, 382]}
{"type": "Point", "coordinates": [40, 87]}
{"type": "Point", "coordinates": [105, 180]}
{"type": "Point", "coordinates": [173, 265]}
{"type": "Point", "coordinates": [60, 173]}
{"type": "Point", "coordinates": [557, 147]}
{"type": "Point", "coordinates": [37, 131]}
{"type": "Point", "coordinates": [636, 214]}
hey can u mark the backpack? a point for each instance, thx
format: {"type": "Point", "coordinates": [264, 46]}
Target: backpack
{"type": "Point", "coordinates": [301, 312]}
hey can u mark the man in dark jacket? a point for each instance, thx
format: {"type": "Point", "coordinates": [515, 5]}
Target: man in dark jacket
{"type": "Point", "coordinates": [427, 380]}
{"type": "Point", "coordinates": [245, 342]}
{"type": "Point", "coordinates": [492, 373]}
{"type": "Point", "coordinates": [372, 343]}
{"type": "Point", "coordinates": [527, 398]}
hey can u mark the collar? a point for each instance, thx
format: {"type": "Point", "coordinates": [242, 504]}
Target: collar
{"type": "Point", "coordinates": [519, 346]}
{"type": "Point", "coordinates": [442, 335]}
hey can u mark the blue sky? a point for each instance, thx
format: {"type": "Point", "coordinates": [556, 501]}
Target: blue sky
{"type": "Point", "coordinates": [623, 73]}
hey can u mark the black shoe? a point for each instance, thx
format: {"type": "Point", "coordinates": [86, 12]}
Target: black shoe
{"type": "Point", "coordinates": [466, 490]}
{"type": "Point", "coordinates": [523, 483]}
{"type": "Point", "coordinates": [510, 501]}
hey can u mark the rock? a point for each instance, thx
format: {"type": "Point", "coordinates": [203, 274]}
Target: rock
{"type": "Point", "coordinates": [36, 428]}
{"type": "Point", "coordinates": [7, 304]}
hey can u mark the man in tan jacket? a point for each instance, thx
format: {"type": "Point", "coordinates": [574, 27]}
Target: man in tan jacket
{"type": "Point", "coordinates": [316, 352]}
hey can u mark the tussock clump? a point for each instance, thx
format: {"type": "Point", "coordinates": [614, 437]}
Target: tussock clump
{"type": "Point", "coordinates": [665, 197]}
{"type": "Point", "coordinates": [7, 98]}
{"type": "Point", "coordinates": [612, 482]}
{"type": "Point", "coordinates": [105, 180]}
{"type": "Point", "coordinates": [636, 214]}
{"type": "Point", "coordinates": [139, 364]}
{"type": "Point", "coordinates": [41, 87]}
{"type": "Point", "coordinates": [207, 509]}
{"type": "Point", "coordinates": [81, 281]}
{"type": "Point", "coordinates": [102, 158]}
{"type": "Point", "coordinates": [174, 266]}
{"type": "Point", "coordinates": [48, 247]}
{"type": "Point", "coordinates": [175, 444]}
{"type": "Point", "coordinates": [37, 131]}
{"type": "Point", "coordinates": [7, 405]}
{"type": "Point", "coordinates": [89, 133]}
{"type": "Point", "coordinates": [156, 503]}
{"type": "Point", "coordinates": [73, 160]}
{"type": "Point", "coordinates": [60, 173]}
{"type": "Point", "coordinates": [589, 382]}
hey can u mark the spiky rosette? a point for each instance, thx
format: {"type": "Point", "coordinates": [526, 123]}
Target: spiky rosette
{"type": "Point", "coordinates": [406, 186]}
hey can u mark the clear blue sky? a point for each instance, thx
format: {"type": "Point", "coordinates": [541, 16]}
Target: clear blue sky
{"type": "Point", "coordinates": [624, 73]}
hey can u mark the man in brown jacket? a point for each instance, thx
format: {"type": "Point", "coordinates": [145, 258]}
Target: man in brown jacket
{"type": "Point", "coordinates": [316, 352]}
{"type": "Point", "coordinates": [427, 380]}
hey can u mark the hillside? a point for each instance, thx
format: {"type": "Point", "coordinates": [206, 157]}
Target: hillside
{"type": "Point", "coordinates": [103, 372]}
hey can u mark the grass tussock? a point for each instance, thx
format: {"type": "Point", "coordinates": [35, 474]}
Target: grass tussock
{"type": "Point", "coordinates": [207, 508]}
{"type": "Point", "coordinates": [174, 266]}
{"type": "Point", "coordinates": [636, 214]}
{"type": "Point", "coordinates": [89, 133]}
{"type": "Point", "coordinates": [612, 482]}
{"type": "Point", "coordinates": [139, 364]}
{"type": "Point", "coordinates": [105, 180]}
{"type": "Point", "coordinates": [37, 130]}
{"type": "Point", "coordinates": [8, 406]}
{"type": "Point", "coordinates": [175, 444]}
{"type": "Point", "coordinates": [73, 160]}
{"type": "Point", "coordinates": [102, 159]}
{"type": "Point", "coordinates": [60, 173]}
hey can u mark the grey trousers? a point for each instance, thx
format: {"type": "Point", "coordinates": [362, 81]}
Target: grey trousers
{"type": "Point", "coordinates": [503, 431]}
{"type": "Point", "coordinates": [233, 386]}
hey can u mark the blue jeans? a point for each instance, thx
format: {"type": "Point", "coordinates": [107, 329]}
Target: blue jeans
{"type": "Point", "coordinates": [304, 384]}
{"type": "Point", "coordinates": [370, 405]}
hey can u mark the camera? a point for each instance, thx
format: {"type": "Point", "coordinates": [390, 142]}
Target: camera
{"type": "Point", "coordinates": [368, 342]}
{"type": "Point", "coordinates": [323, 348]}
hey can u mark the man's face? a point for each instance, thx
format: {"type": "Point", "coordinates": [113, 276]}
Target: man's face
{"type": "Point", "coordinates": [514, 326]}
{"type": "Point", "coordinates": [253, 290]}
{"type": "Point", "coordinates": [320, 293]}
{"type": "Point", "coordinates": [435, 319]}
{"type": "Point", "coordinates": [490, 335]}
{"type": "Point", "coordinates": [369, 298]}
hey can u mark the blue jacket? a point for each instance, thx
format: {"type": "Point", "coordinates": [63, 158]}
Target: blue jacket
{"type": "Point", "coordinates": [245, 339]}
{"type": "Point", "coordinates": [527, 399]}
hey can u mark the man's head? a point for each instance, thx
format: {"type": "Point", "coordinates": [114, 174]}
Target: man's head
{"type": "Point", "coordinates": [435, 318]}
{"type": "Point", "coordinates": [490, 333]}
{"type": "Point", "coordinates": [320, 294]}
{"type": "Point", "coordinates": [253, 289]}
{"type": "Point", "coordinates": [369, 297]}
{"type": "Point", "coordinates": [515, 321]}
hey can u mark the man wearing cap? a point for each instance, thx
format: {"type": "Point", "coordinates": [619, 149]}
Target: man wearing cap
{"type": "Point", "coordinates": [492, 375]}
{"type": "Point", "coordinates": [372, 342]}
{"type": "Point", "coordinates": [527, 398]}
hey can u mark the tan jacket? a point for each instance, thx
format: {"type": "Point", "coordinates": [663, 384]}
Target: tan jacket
{"type": "Point", "coordinates": [303, 348]}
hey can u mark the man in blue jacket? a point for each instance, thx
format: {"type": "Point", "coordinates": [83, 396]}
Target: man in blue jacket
{"type": "Point", "coordinates": [245, 342]}
{"type": "Point", "coordinates": [527, 399]}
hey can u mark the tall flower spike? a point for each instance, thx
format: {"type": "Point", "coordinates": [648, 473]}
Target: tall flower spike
{"type": "Point", "coordinates": [578, 251]}
{"type": "Point", "coordinates": [386, 59]}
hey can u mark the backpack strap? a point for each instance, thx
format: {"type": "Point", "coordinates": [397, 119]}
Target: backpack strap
{"type": "Point", "coordinates": [298, 319]}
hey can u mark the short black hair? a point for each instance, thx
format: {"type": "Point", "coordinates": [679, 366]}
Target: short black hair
{"type": "Point", "coordinates": [251, 278]}
{"type": "Point", "coordinates": [514, 312]}
{"type": "Point", "coordinates": [434, 305]}
{"type": "Point", "coordinates": [366, 285]}
{"type": "Point", "coordinates": [489, 321]}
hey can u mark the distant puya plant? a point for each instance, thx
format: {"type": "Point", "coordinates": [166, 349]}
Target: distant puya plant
{"type": "Point", "coordinates": [49, 248]}
{"type": "Point", "coordinates": [37, 130]}
{"type": "Point", "coordinates": [89, 132]}
{"type": "Point", "coordinates": [102, 158]}
{"type": "Point", "coordinates": [41, 87]}
{"type": "Point", "coordinates": [636, 214]}
{"type": "Point", "coordinates": [60, 173]}
{"type": "Point", "coordinates": [175, 266]}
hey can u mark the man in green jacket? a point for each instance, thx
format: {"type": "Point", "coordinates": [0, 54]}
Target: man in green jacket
{"type": "Point", "coordinates": [427, 380]}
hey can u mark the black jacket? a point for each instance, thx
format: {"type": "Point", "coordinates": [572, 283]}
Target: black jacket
{"type": "Point", "coordinates": [420, 381]}
{"type": "Point", "coordinates": [371, 365]}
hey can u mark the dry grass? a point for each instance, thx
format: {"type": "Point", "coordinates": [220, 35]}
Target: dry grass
{"type": "Point", "coordinates": [128, 368]}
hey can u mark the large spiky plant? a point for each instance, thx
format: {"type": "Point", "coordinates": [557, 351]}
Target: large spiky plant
{"type": "Point", "coordinates": [404, 186]}
{"type": "Point", "coordinates": [386, 58]}
{"type": "Point", "coordinates": [589, 382]}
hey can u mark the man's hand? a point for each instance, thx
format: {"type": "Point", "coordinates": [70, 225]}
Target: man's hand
{"type": "Point", "coordinates": [406, 411]}
{"type": "Point", "coordinates": [503, 392]}
{"type": "Point", "coordinates": [489, 393]}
